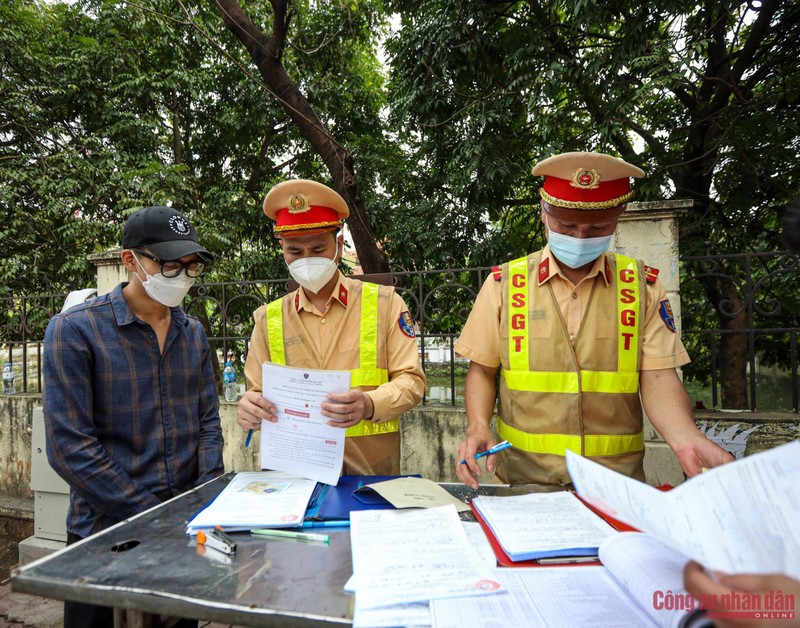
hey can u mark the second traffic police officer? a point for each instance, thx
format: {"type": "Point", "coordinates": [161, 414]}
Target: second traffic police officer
{"type": "Point", "coordinates": [583, 339]}
{"type": "Point", "coordinates": [336, 323]}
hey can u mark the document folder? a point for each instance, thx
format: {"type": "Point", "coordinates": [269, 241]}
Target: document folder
{"type": "Point", "coordinates": [351, 493]}
{"type": "Point", "coordinates": [504, 560]}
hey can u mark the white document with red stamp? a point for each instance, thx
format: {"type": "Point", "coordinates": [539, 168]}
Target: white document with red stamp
{"type": "Point", "coordinates": [302, 442]}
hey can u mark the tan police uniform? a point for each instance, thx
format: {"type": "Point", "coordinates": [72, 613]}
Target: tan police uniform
{"type": "Point", "coordinates": [569, 379]}
{"type": "Point", "coordinates": [332, 340]}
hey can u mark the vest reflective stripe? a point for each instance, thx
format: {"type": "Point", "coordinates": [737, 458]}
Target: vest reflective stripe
{"type": "Point", "coordinates": [590, 381]}
{"type": "Point", "coordinates": [542, 381]}
{"type": "Point", "coordinates": [627, 314]}
{"type": "Point", "coordinates": [607, 382]}
{"type": "Point", "coordinates": [275, 332]}
{"type": "Point", "coordinates": [518, 313]}
{"type": "Point", "coordinates": [624, 380]}
{"type": "Point", "coordinates": [558, 444]}
{"type": "Point", "coordinates": [368, 373]}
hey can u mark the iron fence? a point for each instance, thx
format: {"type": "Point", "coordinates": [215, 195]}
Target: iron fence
{"type": "Point", "coordinates": [762, 291]}
{"type": "Point", "coordinates": [741, 313]}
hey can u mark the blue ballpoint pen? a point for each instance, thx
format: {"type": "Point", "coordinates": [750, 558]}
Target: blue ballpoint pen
{"type": "Point", "coordinates": [249, 436]}
{"type": "Point", "coordinates": [493, 450]}
{"type": "Point", "coordinates": [326, 524]}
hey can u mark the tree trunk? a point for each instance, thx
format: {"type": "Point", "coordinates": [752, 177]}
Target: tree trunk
{"type": "Point", "coordinates": [733, 349]}
{"type": "Point", "coordinates": [266, 52]}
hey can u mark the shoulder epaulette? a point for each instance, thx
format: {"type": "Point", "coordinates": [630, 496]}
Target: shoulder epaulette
{"type": "Point", "coordinates": [650, 274]}
{"type": "Point", "coordinates": [497, 273]}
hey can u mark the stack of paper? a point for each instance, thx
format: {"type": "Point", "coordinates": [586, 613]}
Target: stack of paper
{"type": "Point", "coordinates": [638, 572]}
{"type": "Point", "coordinates": [740, 517]}
{"type": "Point", "coordinates": [542, 525]}
{"type": "Point", "coordinates": [259, 499]}
{"type": "Point", "coordinates": [402, 557]}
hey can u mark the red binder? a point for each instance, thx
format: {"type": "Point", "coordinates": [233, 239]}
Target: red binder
{"type": "Point", "coordinates": [504, 560]}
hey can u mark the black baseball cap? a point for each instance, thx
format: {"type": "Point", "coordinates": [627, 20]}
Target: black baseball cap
{"type": "Point", "coordinates": [164, 231]}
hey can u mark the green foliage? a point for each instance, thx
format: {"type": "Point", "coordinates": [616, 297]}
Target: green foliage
{"type": "Point", "coordinates": [107, 106]}
{"type": "Point", "coordinates": [110, 106]}
{"type": "Point", "coordinates": [484, 89]}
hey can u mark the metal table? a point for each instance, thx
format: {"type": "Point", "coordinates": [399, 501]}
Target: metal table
{"type": "Point", "coordinates": [146, 567]}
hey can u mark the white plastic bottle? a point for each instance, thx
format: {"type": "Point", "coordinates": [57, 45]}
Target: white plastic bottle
{"type": "Point", "coordinates": [229, 387]}
{"type": "Point", "coordinates": [8, 379]}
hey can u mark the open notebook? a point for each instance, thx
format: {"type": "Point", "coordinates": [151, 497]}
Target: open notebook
{"type": "Point", "coordinates": [639, 580]}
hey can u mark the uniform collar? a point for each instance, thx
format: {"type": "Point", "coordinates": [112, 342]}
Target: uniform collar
{"type": "Point", "coordinates": [341, 293]}
{"type": "Point", "coordinates": [549, 268]}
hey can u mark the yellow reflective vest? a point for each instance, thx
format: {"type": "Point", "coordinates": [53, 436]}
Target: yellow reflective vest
{"type": "Point", "coordinates": [558, 394]}
{"type": "Point", "coordinates": [367, 375]}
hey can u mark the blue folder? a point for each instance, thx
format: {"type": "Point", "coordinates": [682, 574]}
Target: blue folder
{"type": "Point", "coordinates": [350, 493]}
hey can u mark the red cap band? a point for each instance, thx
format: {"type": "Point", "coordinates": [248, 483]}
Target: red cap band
{"type": "Point", "coordinates": [317, 217]}
{"type": "Point", "coordinates": [617, 191]}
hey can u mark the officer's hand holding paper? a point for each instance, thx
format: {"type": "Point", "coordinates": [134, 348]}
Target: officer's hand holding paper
{"type": "Point", "coordinates": [301, 441]}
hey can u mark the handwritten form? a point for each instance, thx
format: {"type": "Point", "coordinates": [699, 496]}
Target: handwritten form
{"type": "Point", "coordinates": [545, 596]}
{"type": "Point", "coordinates": [541, 525]}
{"type": "Point", "coordinates": [642, 565]}
{"type": "Point", "coordinates": [740, 517]}
{"type": "Point", "coordinates": [419, 613]}
{"type": "Point", "coordinates": [403, 556]}
{"type": "Point", "coordinates": [257, 499]}
{"type": "Point", "coordinates": [301, 442]}
{"type": "Point", "coordinates": [617, 595]}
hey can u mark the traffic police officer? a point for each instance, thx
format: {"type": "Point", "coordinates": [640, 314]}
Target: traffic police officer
{"type": "Point", "coordinates": [583, 339]}
{"type": "Point", "coordinates": [336, 323]}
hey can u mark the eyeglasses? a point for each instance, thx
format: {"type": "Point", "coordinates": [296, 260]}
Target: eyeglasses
{"type": "Point", "coordinates": [173, 268]}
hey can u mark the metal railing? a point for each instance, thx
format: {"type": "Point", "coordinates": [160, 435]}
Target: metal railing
{"type": "Point", "coordinates": [765, 286]}
{"type": "Point", "coordinates": [755, 308]}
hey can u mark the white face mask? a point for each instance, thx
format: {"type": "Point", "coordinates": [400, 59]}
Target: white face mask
{"type": "Point", "coordinates": [167, 291]}
{"type": "Point", "coordinates": [313, 273]}
{"type": "Point", "coordinates": [576, 252]}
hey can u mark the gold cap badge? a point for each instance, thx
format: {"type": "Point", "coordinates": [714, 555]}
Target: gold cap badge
{"type": "Point", "coordinates": [298, 204]}
{"type": "Point", "coordinates": [586, 179]}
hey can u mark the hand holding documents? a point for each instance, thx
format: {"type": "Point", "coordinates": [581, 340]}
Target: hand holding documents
{"type": "Point", "coordinates": [704, 517]}
{"type": "Point", "coordinates": [301, 441]}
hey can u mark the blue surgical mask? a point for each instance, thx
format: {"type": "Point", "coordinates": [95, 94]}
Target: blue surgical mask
{"type": "Point", "coordinates": [576, 252]}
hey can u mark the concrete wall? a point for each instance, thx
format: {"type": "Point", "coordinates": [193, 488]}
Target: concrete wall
{"type": "Point", "coordinates": [15, 444]}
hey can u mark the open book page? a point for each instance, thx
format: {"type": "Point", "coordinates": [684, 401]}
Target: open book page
{"type": "Point", "coordinates": [541, 525]}
{"type": "Point", "coordinates": [740, 517]}
{"type": "Point", "coordinates": [545, 596]}
{"type": "Point", "coordinates": [651, 573]}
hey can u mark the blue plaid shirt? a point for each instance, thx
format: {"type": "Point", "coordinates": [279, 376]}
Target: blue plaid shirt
{"type": "Point", "coordinates": [127, 425]}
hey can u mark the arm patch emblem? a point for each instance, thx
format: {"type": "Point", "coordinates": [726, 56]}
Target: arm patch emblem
{"type": "Point", "coordinates": [665, 310]}
{"type": "Point", "coordinates": [406, 324]}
